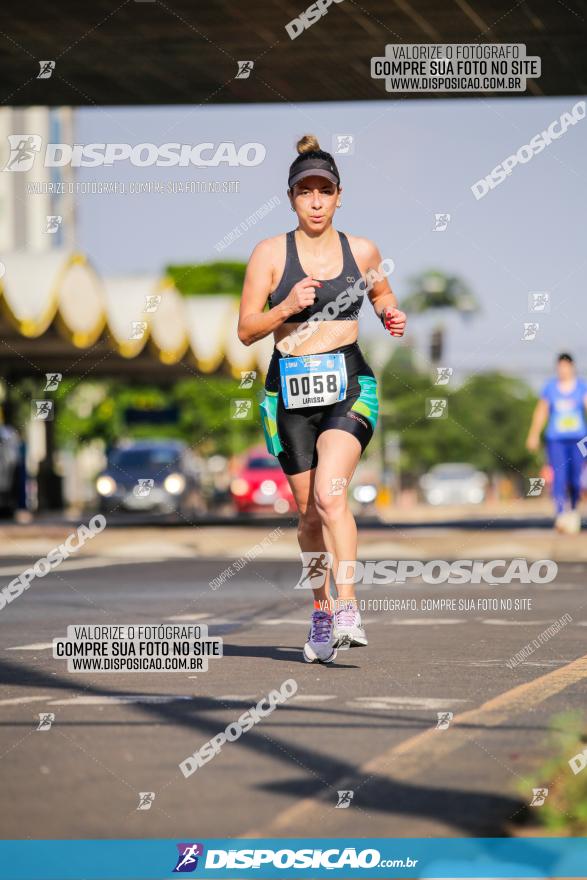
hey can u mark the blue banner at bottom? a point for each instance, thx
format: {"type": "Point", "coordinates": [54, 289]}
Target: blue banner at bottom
{"type": "Point", "coordinates": [227, 859]}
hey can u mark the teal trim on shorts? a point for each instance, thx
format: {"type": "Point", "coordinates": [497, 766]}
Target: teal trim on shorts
{"type": "Point", "coordinates": [268, 408]}
{"type": "Point", "coordinates": [367, 403]}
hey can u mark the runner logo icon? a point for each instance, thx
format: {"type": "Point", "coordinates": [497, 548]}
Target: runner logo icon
{"type": "Point", "coordinates": [344, 799]}
{"type": "Point", "coordinates": [187, 860]}
{"type": "Point", "coordinates": [315, 568]}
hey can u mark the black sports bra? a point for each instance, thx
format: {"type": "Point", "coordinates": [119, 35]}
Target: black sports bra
{"type": "Point", "coordinates": [347, 308]}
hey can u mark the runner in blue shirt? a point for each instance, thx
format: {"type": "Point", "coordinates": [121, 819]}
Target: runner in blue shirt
{"type": "Point", "coordinates": [561, 408]}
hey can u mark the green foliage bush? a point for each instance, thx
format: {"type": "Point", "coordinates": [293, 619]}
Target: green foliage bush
{"type": "Point", "coordinates": [565, 808]}
{"type": "Point", "coordinates": [486, 425]}
{"type": "Point", "coordinates": [223, 278]}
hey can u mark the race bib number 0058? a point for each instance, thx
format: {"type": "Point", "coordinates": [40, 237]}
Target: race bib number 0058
{"type": "Point", "coordinates": [313, 380]}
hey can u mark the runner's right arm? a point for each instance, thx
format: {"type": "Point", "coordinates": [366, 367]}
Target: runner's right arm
{"type": "Point", "coordinates": [253, 322]}
{"type": "Point", "coordinates": [539, 420]}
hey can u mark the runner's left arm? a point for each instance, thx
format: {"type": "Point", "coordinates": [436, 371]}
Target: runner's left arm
{"type": "Point", "coordinates": [381, 296]}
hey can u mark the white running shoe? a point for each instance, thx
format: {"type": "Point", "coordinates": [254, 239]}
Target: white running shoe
{"type": "Point", "coordinates": [348, 629]}
{"type": "Point", "coordinates": [320, 646]}
{"type": "Point", "coordinates": [569, 523]}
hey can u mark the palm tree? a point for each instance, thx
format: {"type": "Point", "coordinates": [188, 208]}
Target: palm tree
{"type": "Point", "coordinates": [434, 291]}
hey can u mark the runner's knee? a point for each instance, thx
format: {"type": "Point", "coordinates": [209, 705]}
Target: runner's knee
{"type": "Point", "coordinates": [328, 505]}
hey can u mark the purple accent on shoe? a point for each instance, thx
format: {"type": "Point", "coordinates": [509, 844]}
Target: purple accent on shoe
{"type": "Point", "coordinates": [346, 615]}
{"type": "Point", "coordinates": [321, 628]}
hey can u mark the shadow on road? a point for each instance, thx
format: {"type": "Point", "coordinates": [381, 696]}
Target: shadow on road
{"type": "Point", "coordinates": [468, 812]}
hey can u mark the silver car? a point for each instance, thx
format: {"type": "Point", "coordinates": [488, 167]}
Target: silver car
{"type": "Point", "coordinates": [456, 483]}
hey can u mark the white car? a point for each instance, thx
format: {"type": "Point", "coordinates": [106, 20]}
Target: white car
{"type": "Point", "coordinates": [457, 483]}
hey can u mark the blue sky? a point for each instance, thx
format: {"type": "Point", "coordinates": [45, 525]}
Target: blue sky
{"type": "Point", "coordinates": [412, 159]}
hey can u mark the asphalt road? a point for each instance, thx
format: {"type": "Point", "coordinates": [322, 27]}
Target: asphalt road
{"type": "Point", "coordinates": [367, 723]}
{"type": "Point", "coordinates": [462, 518]}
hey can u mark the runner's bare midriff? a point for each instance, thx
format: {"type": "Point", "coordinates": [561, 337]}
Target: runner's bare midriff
{"type": "Point", "coordinates": [326, 336]}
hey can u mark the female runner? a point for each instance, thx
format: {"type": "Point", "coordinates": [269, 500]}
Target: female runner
{"type": "Point", "coordinates": [319, 413]}
{"type": "Point", "coordinates": [561, 408]}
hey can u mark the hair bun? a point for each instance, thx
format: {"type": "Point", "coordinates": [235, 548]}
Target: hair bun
{"type": "Point", "coordinates": [307, 144]}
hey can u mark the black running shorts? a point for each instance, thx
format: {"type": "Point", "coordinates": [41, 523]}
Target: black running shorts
{"type": "Point", "coordinates": [292, 434]}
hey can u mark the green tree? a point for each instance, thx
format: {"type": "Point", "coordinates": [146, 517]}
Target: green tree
{"type": "Point", "coordinates": [87, 411]}
{"type": "Point", "coordinates": [434, 291]}
{"type": "Point", "coordinates": [208, 278]}
{"type": "Point", "coordinates": [482, 426]}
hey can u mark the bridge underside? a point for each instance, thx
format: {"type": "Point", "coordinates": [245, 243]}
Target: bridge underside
{"type": "Point", "coordinates": [186, 52]}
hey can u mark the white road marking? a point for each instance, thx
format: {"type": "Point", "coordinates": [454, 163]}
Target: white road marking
{"type": "Point", "coordinates": [483, 664]}
{"type": "Point", "coordinates": [492, 622]}
{"type": "Point", "coordinates": [423, 621]}
{"type": "Point", "coordinates": [36, 646]}
{"type": "Point", "coordinates": [498, 661]}
{"type": "Point", "coordinates": [78, 565]}
{"type": "Point", "coordinates": [186, 617]}
{"type": "Point", "coordinates": [278, 621]}
{"type": "Point", "coordinates": [154, 551]}
{"type": "Point", "coordinates": [107, 700]}
{"type": "Point", "coordinates": [313, 698]}
{"type": "Point", "coordinates": [210, 619]}
{"type": "Point", "coordinates": [559, 587]}
{"type": "Point", "coordinates": [305, 698]}
{"type": "Point", "coordinates": [125, 699]}
{"type": "Point", "coordinates": [501, 662]}
{"type": "Point", "coordinates": [15, 701]}
{"type": "Point", "coordinates": [550, 664]}
{"type": "Point", "coordinates": [431, 703]}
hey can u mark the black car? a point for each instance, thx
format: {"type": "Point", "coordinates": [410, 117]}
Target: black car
{"type": "Point", "coordinates": [10, 459]}
{"type": "Point", "coordinates": [162, 476]}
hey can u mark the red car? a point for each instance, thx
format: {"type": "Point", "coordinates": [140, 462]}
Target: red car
{"type": "Point", "coordinates": [262, 485]}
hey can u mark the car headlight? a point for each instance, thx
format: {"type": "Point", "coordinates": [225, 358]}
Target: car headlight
{"type": "Point", "coordinates": [365, 494]}
{"type": "Point", "coordinates": [106, 486]}
{"type": "Point", "coordinates": [239, 486]}
{"type": "Point", "coordinates": [174, 484]}
{"type": "Point", "coordinates": [268, 487]}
